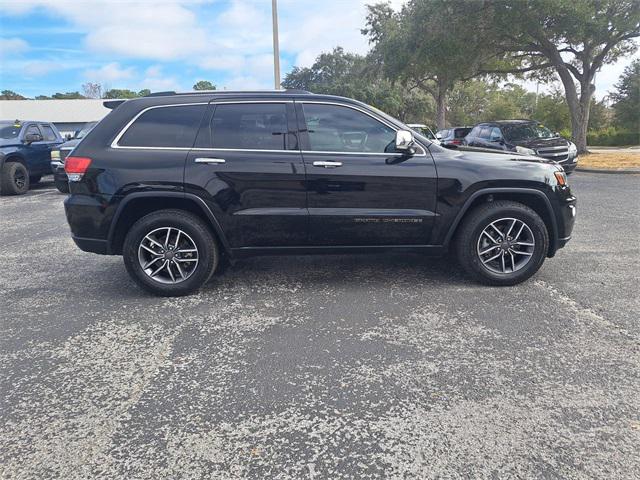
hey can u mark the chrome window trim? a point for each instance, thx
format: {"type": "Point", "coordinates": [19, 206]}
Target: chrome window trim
{"type": "Point", "coordinates": [115, 145]}
{"type": "Point", "coordinates": [362, 110]}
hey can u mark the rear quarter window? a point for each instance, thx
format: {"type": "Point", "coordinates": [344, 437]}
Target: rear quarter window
{"type": "Point", "coordinates": [168, 127]}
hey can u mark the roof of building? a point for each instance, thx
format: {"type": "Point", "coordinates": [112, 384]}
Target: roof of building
{"type": "Point", "coordinates": [61, 111]}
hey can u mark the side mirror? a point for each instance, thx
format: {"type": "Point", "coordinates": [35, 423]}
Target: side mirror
{"type": "Point", "coordinates": [32, 137]}
{"type": "Point", "coordinates": [404, 141]}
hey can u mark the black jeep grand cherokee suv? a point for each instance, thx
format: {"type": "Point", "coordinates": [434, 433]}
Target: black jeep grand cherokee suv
{"type": "Point", "coordinates": [175, 182]}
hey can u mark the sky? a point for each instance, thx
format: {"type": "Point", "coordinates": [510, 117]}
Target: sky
{"type": "Point", "coordinates": [49, 46]}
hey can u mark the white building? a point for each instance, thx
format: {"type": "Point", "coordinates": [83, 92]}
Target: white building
{"type": "Point", "coordinates": [67, 115]}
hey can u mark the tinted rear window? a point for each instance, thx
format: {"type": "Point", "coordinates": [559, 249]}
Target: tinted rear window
{"type": "Point", "coordinates": [165, 127]}
{"type": "Point", "coordinates": [250, 126]}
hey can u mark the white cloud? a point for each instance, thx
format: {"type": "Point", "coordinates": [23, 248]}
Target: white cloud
{"type": "Point", "coordinates": [38, 68]}
{"type": "Point", "coordinates": [111, 72]}
{"type": "Point", "coordinates": [229, 38]}
{"type": "Point", "coordinates": [10, 47]}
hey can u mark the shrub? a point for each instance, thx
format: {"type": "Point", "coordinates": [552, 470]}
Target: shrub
{"type": "Point", "coordinates": [611, 137]}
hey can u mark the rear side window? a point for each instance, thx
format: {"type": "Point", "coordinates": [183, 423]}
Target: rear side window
{"type": "Point", "coordinates": [169, 127]}
{"type": "Point", "coordinates": [249, 126]}
{"type": "Point", "coordinates": [48, 133]}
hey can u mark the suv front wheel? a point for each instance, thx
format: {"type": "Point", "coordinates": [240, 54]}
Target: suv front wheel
{"type": "Point", "coordinates": [170, 253]}
{"type": "Point", "coordinates": [502, 243]}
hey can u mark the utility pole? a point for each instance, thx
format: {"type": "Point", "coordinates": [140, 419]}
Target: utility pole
{"type": "Point", "coordinates": [276, 47]}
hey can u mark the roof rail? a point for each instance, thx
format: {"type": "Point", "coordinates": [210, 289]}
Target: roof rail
{"type": "Point", "coordinates": [225, 92]}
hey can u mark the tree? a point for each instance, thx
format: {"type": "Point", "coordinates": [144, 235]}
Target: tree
{"type": "Point", "coordinates": [204, 85]}
{"type": "Point", "coordinates": [67, 96]}
{"type": "Point", "coordinates": [11, 95]}
{"type": "Point", "coordinates": [572, 38]}
{"type": "Point", "coordinates": [92, 90]}
{"type": "Point", "coordinates": [120, 93]}
{"type": "Point", "coordinates": [627, 98]}
{"type": "Point", "coordinates": [144, 92]}
{"type": "Point", "coordinates": [351, 75]}
{"type": "Point", "coordinates": [431, 45]}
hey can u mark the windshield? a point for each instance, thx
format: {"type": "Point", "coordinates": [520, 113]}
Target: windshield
{"type": "Point", "coordinates": [83, 133]}
{"type": "Point", "coordinates": [526, 131]}
{"type": "Point", "coordinates": [9, 131]}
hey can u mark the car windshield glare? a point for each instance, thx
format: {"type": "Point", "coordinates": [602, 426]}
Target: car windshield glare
{"type": "Point", "coordinates": [7, 132]}
{"type": "Point", "coordinates": [515, 133]}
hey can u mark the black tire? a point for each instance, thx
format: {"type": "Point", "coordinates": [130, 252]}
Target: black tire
{"type": "Point", "coordinates": [33, 179]}
{"type": "Point", "coordinates": [14, 179]}
{"type": "Point", "coordinates": [63, 187]}
{"type": "Point", "coordinates": [468, 243]}
{"type": "Point", "coordinates": [192, 229]}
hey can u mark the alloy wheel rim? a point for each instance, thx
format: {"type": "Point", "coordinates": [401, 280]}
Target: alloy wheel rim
{"type": "Point", "coordinates": [19, 179]}
{"type": "Point", "coordinates": [506, 246]}
{"type": "Point", "coordinates": [168, 255]}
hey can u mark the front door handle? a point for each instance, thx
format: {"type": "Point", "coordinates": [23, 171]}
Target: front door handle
{"type": "Point", "coordinates": [210, 160]}
{"type": "Point", "coordinates": [327, 164]}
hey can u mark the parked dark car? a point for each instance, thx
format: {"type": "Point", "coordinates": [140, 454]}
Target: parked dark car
{"type": "Point", "coordinates": [25, 150]}
{"type": "Point", "coordinates": [525, 136]}
{"type": "Point", "coordinates": [59, 154]}
{"type": "Point", "coordinates": [176, 182]}
{"type": "Point", "coordinates": [452, 136]}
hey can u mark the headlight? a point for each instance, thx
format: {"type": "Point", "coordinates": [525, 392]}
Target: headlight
{"type": "Point", "coordinates": [55, 154]}
{"type": "Point", "coordinates": [526, 151]}
{"type": "Point", "coordinates": [573, 148]}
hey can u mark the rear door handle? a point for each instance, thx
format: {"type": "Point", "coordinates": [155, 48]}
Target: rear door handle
{"type": "Point", "coordinates": [209, 160]}
{"type": "Point", "coordinates": [327, 164]}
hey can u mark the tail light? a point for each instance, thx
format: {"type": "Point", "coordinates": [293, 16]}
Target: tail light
{"type": "Point", "coordinates": [456, 141]}
{"type": "Point", "coordinates": [76, 167]}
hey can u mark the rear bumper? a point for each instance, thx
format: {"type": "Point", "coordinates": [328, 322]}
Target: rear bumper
{"type": "Point", "coordinates": [89, 219]}
{"type": "Point", "coordinates": [92, 245]}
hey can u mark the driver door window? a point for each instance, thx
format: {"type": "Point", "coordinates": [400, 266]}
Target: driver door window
{"type": "Point", "coordinates": [32, 129]}
{"type": "Point", "coordinates": [495, 135]}
{"type": "Point", "coordinates": [333, 128]}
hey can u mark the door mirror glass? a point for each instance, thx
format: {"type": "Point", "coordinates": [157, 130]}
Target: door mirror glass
{"type": "Point", "coordinates": [32, 137]}
{"type": "Point", "coordinates": [404, 140]}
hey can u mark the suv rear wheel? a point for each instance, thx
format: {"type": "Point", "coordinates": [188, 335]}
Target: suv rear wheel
{"type": "Point", "coordinates": [502, 243]}
{"type": "Point", "coordinates": [170, 253]}
{"type": "Point", "coordinates": [14, 179]}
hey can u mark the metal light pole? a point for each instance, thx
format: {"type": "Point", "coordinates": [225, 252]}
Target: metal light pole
{"type": "Point", "coordinates": [276, 47]}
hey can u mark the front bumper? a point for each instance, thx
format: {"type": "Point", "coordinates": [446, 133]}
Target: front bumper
{"type": "Point", "coordinates": [566, 211]}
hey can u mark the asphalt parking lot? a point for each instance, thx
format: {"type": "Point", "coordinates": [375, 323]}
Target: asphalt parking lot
{"type": "Point", "coordinates": [377, 366]}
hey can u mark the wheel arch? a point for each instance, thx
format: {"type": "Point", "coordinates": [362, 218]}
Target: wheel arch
{"type": "Point", "coordinates": [534, 199]}
{"type": "Point", "coordinates": [137, 205]}
{"type": "Point", "coordinates": [12, 157]}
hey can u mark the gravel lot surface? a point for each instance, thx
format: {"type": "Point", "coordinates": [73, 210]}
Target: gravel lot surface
{"type": "Point", "coordinates": [381, 366]}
